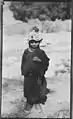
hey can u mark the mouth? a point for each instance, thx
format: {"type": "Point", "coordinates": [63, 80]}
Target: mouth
{"type": "Point", "coordinates": [34, 46]}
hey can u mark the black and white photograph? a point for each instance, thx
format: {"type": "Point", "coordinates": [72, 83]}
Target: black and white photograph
{"type": "Point", "coordinates": [36, 59]}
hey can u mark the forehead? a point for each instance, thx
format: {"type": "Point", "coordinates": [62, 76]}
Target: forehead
{"type": "Point", "coordinates": [35, 42]}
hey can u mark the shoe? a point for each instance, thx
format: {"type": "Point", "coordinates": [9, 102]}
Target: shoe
{"type": "Point", "coordinates": [38, 107]}
{"type": "Point", "coordinates": [28, 112]}
{"type": "Point", "coordinates": [28, 107]}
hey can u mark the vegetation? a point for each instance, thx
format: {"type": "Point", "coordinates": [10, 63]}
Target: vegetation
{"type": "Point", "coordinates": [41, 10]}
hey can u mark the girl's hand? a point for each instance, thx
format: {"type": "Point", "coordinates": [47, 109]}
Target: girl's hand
{"type": "Point", "coordinates": [36, 59]}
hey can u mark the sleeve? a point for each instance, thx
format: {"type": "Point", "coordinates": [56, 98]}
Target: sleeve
{"type": "Point", "coordinates": [22, 63]}
{"type": "Point", "coordinates": [43, 65]}
{"type": "Point", "coordinates": [45, 60]}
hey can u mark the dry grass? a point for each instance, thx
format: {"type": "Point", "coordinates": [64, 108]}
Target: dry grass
{"type": "Point", "coordinates": [64, 113]}
{"type": "Point", "coordinates": [65, 69]}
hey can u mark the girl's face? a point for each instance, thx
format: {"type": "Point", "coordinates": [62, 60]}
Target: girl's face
{"type": "Point", "coordinates": [34, 44]}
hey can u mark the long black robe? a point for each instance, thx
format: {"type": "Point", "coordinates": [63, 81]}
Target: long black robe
{"type": "Point", "coordinates": [31, 70]}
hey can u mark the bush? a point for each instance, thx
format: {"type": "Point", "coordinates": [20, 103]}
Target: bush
{"type": "Point", "coordinates": [32, 10]}
{"type": "Point", "coordinates": [56, 26]}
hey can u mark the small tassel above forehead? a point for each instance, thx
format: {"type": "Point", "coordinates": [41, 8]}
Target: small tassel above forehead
{"type": "Point", "coordinates": [31, 36]}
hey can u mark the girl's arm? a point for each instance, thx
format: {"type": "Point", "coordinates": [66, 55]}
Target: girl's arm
{"type": "Point", "coordinates": [22, 63]}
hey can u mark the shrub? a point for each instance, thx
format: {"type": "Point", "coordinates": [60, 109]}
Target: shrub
{"type": "Point", "coordinates": [32, 10]}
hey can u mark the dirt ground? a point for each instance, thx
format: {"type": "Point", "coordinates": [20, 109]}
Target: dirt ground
{"type": "Point", "coordinates": [57, 104]}
{"type": "Point", "coordinates": [57, 76]}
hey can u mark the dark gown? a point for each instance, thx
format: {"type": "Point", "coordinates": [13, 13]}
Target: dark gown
{"type": "Point", "coordinates": [34, 75]}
